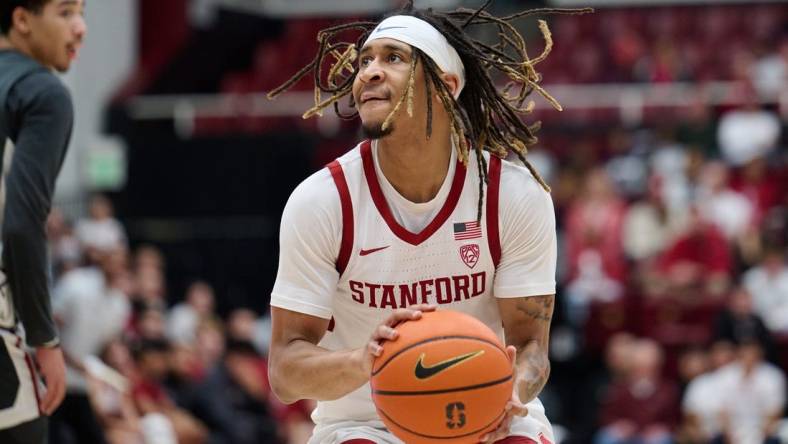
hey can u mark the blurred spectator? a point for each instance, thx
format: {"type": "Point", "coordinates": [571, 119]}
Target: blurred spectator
{"type": "Point", "coordinates": [596, 385]}
{"type": "Point", "coordinates": [770, 73]}
{"type": "Point", "coordinates": [761, 185]}
{"type": "Point", "coordinates": [150, 324]}
{"type": "Point", "coordinates": [241, 324]}
{"type": "Point", "coordinates": [186, 372]}
{"type": "Point", "coordinates": [590, 286]}
{"type": "Point", "coordinates": [739, 323]}
{"type": "Point", "coordinates": [233, 399]}
{"type": "Point", "coordinates": [662, 66]}
{"type": "Point", "coordinates": [654, 217]}
{"type": "Point", "coordinates": [150, 396]}
{"type": "Point", "coordinates": [90, 309]}
{"type": "Point", "coordinates": [110, 394]}
{"type": "Point", "coordinates": [671, 162]}
{"type": "Point", "coordinates": [729, 210]}
{"type": "Point", "coordinates": [767, 282]}
{"type": "Point", "coordinates": [64, 248]}
{"type": "Point", "coordinates": [748, 133]}
{"type": "Point", "coordinates": [626, 47]}
{"type": "Point", "coordinates": [148, 257]}
{"type": "Point", "coordinates": [209, 343]}
{"type": "Point", "coordinates": [151, 287]}
{"type": "Point", "coordinates": [594, 224]}
{"type": "Point", "coordinates": [627, 166]}
{"type": "Point", "coordinates": [698, 262]}
{"type": "Point", "coordinates": [702, 403]}
{"type": "Point", "coordinates": [752, 397]}
{"type": "Point", "coordinates": [101, 231]}
{"type": "Point", "coordinates": [185, 316]}
{"type": "Point", "coordinates": [692, 362]}
{"type": "Point", "coordinates": [642, 407]}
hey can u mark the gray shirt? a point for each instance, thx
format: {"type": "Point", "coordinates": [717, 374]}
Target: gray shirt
{"type": "Point", "coordinates": [36, 115]}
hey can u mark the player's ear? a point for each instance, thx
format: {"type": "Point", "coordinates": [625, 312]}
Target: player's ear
{"type": "Point", "coordinates": [20, 20]}
{"type": "Point", "coordinates": [451, 81]}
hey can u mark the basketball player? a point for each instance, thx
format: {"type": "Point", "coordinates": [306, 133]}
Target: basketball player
{"type": "Point", "coordinates": [36, 117]}
{"type": "Point", "coordinates": [401, 224]}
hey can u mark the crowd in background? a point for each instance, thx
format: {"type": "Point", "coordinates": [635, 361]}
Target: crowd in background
{"type": "Point", "coordinates": [138, 368]}
{"type": "Point", "coordinates": [673, 274]}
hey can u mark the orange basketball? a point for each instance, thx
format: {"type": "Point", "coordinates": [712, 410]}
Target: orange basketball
{"type": "Point", "coordinates": [445, 379]}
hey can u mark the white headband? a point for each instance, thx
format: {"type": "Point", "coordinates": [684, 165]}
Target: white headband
{"type": "Point", "coordinates": [422, 35]}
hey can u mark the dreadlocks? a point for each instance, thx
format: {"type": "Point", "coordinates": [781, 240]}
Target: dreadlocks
{"type": "Point", "coordinates": [488, 118]}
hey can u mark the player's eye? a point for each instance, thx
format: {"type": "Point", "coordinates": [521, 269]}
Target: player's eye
{"type": "Point", "coordinates": [365, 61]}
{"type": "Point", "coordinates": [394, 58]}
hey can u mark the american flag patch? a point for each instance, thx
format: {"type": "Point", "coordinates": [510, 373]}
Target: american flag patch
{"type": "Point", "coordinates": [467, 230]}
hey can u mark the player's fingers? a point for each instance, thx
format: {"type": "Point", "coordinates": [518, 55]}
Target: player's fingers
{"type": "Point", "coordinates": [423, 307]}
{"type": "Point", "coordinates": [499, 433]}
{"type": "Point", "coordinates": [401, 315]}
{"type": "Point", "coordinates": [511, 352]}
{"type": "Point", "coordinates": [384, 333]}
{"type": "Point", "coordinates": [517, 408]}
{"type": "Point", "coordinates": [54, 395]}
{"type": "Point", "coordinates": [374, 348]}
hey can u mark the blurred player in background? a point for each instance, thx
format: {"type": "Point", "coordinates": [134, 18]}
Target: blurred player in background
{"type": "Point", "coordinates": [425, 214]}
{"type": "Point", "coordinates": [36, 118]}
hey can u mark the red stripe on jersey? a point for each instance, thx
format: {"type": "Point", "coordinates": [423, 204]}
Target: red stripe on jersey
{"type": "Point", "coordinates": [347, 215]}
{"type": "Point", "coordinates": [385, 212]}
{"type": "Point", "coordinates": [493, 191]}
{"type": "Point", "coordinates": [34, 380]}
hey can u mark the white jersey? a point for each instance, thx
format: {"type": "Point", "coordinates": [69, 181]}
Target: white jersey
{"type": "Point", "coordinates": [352, 250]}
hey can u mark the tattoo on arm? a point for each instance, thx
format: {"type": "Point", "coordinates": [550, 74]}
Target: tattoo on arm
{"type": "Point", "coordinates": [535, 371]}
{"type": "Point", "coordinates": [538, 308]}
{"type": "Point", "coordinates": [533, 362]}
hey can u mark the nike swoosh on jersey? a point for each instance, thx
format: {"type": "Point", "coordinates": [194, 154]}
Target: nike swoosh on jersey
{"type": "Point", "coordinates": [364, 252]}
{"type": "Point", "coordinates": [423, 372]}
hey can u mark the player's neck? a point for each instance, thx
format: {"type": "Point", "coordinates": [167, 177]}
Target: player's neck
{"type": "Point", "coordinates": [12, 41]}
{"type": "Point", "coordinates": [414, 165]}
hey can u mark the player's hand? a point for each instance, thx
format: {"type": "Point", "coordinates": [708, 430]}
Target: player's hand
{"type": "Point", "coordinates": [386, 332]}
{"type": "Point", "coordinates": [53, 370]}
{"type": "Point", "coordinates": [513, 408]}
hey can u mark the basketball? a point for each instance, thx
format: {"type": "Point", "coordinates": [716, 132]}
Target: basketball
{"type": "Point", "coordinates": [446, 378]}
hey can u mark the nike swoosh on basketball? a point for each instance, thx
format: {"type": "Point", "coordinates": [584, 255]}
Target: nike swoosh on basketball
{"type": "Point", "coordinates": [364, 252]}
{"type": "Point", "coordinates": [423, 372]}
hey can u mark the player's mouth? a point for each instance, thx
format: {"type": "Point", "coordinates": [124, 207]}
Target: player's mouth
{"type": "Point", "coordinates": [373, 97]}
{"type": "Point", "coordinates": [72, 50]}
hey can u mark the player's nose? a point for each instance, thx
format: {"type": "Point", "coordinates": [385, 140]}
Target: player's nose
{"type": "Point", "coordinates": [80, 28]}
{"type": "Point", "coordinates": [373, 72]}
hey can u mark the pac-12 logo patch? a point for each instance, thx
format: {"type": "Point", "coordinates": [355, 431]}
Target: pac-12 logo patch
{"type": "Point", "coordinates": [470, 254]}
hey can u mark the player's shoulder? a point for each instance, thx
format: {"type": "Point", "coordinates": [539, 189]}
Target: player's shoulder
{"type": "Point", "coordinates": [351, 160]}
{"type": "Point", "coordinates": [44, 86]}
{"type": "Point", "coordinates": [519, 187]}
{"type": "Point", "coordinates": [319, 190]}
{"type": "Point", "coordinates": [518, 176]}
{"type": "Point", "coordinates": [42, 91]}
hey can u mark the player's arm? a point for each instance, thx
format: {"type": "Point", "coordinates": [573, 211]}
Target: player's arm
{"type": "Point", "coordinates": [45, 117]}
{"type": "Point", "coordinates": [525, 285]}
{"type": "Point", "coordinates": [526, 323]}
{"type": "Point", "coordinates": [300, 369]}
